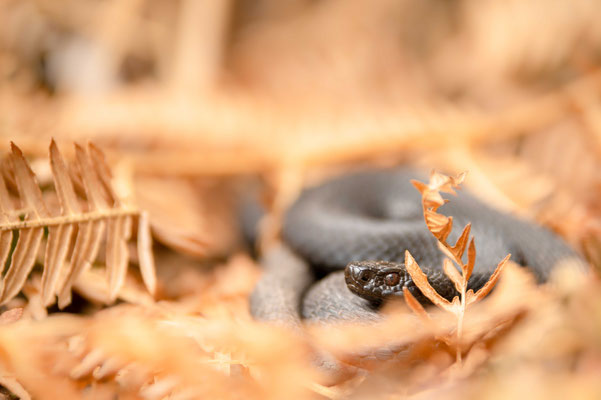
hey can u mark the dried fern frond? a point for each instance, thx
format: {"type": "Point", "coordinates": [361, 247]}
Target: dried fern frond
{"type": "Point", "coordinates": [440, 226]}
{"type": "Point", "coordinates": [74, 234]}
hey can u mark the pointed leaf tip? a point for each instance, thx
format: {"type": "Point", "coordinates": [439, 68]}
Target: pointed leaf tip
{"type": "Point", "coordinates": [420, 186]}
{"type": "Point", "coordinates": [460, 244]}
{"type": "Point", "coordinates": [490, 284]}
{"type": "Point", "coordinates": [471, 258]}
{"type": "Point", "coordinates": [15, 149]}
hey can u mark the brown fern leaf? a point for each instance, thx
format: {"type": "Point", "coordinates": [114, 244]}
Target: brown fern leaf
{"type": "Point", "coordinates": [440, 226]}
{"type": "Point", "coordinates": [28, 243]}
{"type": "Point", "coordinates": [450, 271]}
{"type": "Point", "coordinates": [75, 232]}
{"type": "Point", "coordinates": [415, 306]}
{"type": "Point", "coordinates": [484, 290]}
{"type": "Point", "coordinates": [56, 250]}
{"type": "Point", "coordinates": [421, 281]}
{"type": "Point", "coordinates": [6, 237]}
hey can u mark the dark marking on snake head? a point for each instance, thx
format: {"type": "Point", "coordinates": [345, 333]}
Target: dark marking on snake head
{"type": "Point", "coordinates": [376, 280]}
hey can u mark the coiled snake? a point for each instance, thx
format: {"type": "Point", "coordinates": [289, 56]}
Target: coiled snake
{"type": "Point", "coordinates": [364, 222]}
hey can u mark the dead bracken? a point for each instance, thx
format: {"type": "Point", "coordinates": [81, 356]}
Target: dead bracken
{"type": "Point", "coordinates": [440, 226]}
{"type": "Point", "coordinates": [77, 227]}
{"type": "Point", "coordinates": [190, 103]}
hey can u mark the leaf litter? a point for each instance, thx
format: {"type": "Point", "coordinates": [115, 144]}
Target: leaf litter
{"type": "Point", "coordinates": [153, 283]}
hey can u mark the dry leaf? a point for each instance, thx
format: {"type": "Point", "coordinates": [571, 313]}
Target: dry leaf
{"type": "Point", "coordinates": [421, 281]}
{"type": "Point", "coordinates": [415, 305]}
{"type": "Point", "coordinates": [450, 271]}
{"type": "Point", "coordinates": [488, 286]}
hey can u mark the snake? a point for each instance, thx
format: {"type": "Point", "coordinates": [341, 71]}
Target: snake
{"type": "Point", "coordinates": [343, 248]}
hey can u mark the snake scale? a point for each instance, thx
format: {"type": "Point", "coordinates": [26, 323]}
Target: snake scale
{"type": "Point", "coordinates": [364, 222]}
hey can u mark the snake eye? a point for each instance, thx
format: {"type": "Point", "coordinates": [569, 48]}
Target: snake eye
{"type": "Point", "coordinates": [366, 275]}
{"type": "Point", "coordinates": [392, 279]}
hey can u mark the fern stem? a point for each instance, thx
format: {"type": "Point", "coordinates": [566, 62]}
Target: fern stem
{"type": "Point", "coordinates": [458, 355]}
{"type": "Point", "coordinates": [70, 219]}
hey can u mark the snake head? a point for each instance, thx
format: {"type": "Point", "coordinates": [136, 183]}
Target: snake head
{"type": "Point", "coordinates": [376, 280]}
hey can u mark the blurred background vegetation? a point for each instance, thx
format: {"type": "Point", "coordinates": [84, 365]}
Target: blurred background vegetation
{"type": "Point", "coordinates": [270, 82]}
{"type": "Point", "coordinates": [508, 90]}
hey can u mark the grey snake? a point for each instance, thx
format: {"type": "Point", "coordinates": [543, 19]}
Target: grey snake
{"type": "Point", "coordinates": [363, 222]}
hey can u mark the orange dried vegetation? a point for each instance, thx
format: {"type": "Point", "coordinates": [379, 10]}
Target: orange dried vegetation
{"type": "Point", "coordinates": [440, 226]}
{"type": "Point", "coordinates": [187, 98]}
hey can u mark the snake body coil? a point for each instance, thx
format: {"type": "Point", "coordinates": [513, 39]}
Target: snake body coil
{"type": "Point", "coordinates": [372, 217]}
